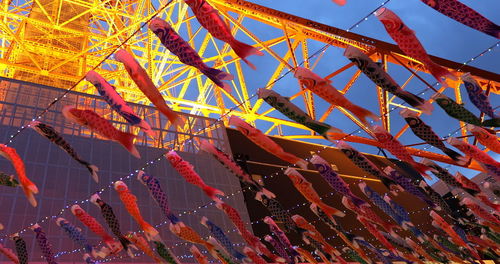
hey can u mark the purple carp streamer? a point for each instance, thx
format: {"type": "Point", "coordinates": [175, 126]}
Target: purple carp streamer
{"type": "Point", "coordinates": [465, 15]}
{"type": "Point", "coordinates": [22, 252]}
{"type": "Point", "coordinates": [187, 55]}
{"type": "Point", "coordinates": [44, 244]}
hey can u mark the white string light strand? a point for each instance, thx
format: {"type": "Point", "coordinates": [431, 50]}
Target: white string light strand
{"type": "Point", "coordinates": [64, 94]}
{"type": "Point", "coordinates": [489, 49]}
{"type": "Point", "coordinates": [158, 158]}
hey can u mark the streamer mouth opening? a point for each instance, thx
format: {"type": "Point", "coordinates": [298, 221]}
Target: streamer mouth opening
{"type": "Point", "coordinates": [120, 186]}
{"type": "Point", "coordinates": [380, 12]}
{"type": "Point", "coordinates": [408, 113]}
{"type": "Point", "coordinates": [351, 51]}
{"type": "Point", "coordinates": [157, 23]}
{"type": "Point", "coordinates": [76, 210]}
{"type": "Point", "coordinates": [121, 55]}
{"type": "Point", "coordinates": [67, 113]}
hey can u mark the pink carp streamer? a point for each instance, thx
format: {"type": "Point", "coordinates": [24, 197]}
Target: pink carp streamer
{"type": "Point", "coordinates": [29, 188]}
{"type": "Point", "coordinates": [410, 45]}
{"type": "Point", "coordinates": [266, 143]}
{"type": "Point", "coordinates": [186, 170]}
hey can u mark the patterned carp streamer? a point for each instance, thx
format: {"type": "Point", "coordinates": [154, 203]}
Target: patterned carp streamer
{"type": "Point", "coordinates": [8, 180]}
{"type": "Point", "coordinates": [325, 90]}
{"type": "Point", "coordinates": [143, 245]}
{"type": "Point", "coordinates": [425, 132]}
{"type": "Point", "coordinates": [200, 258]}
{"type": "Point", "coordinates": [44, 244]}
{"type": "Point", "coordinates": [253, 256]}
{"type": "Point", "coordinates": [51, 134]}
{"type": "Point", "coordinates": [465, 15]}
{"type": "Point", "coordinates": [476, 95]}
{"type": "Point", "coordinates": [492, 170]}
{"type": "Point", "coordinates": [22, 252]}
{"type": "Point", "coordinates": [445, 176]}
{"type": "Point", "coordinates": [278, 247]}
{"type": "Point", "coordinates": [334, 180]}
{"type": "Point", "coordinates": [473, 152]}
{"type": "Point", "coordinates": [186, 233]}
{"type": "Point", "coordinates": [409, 43]}
{"type": "Point", "coordinates": [445, 243]}
{"type": "Point", "coordinates": [394, 256]}
{"type": "Point", "coordinates": [473, 189]}
{"type": "Point", "coordinates": [459, 112]}
{"type": "Point", "coordinates": [146, 85]}
{"type": "Point", "coordinates": [307, 190]}
{"type": "Point", "coordinates": [76, 235]}
{"type": "Point", "coordinates": [186, 170]}
{"type": "Point", "coordinates": [397, 241]}
{"type": "Point", "coordinates": [408, 185]}
{"type": "Point", "coordinates": [367, 165]}
{"type": "Point", "coordinates": [378, 254]}
{"type": "Point", "coordinates": [116, 102]}
{"type": "Point", "coordinates": [282, 238]}
{"type": "Point", "coordinates": [97, 228]}
{"type": "Point", "coordinates": [101, 126]}
{"type": "Point", "coordinates": [222, 238]}
{"type": "Point", "coordinates": [29, 188]}
{"type": "Point", "coordinates": [439, 222]}
{"type": "Point", "coordinates": [165, 253]}
{"type": "Point", "coordinates": [233, 167]}
{"type": "Point", "coordinates": [377, 200]}
{"type": "Point", "coordinates": [313, 236]}
{"type": "Point", "coordinates": [480, 212]}
{"type": "Point", "coordinates": [187, 55]}
{"type": "Point", "coordinates": [353, 255]}
{"type": "Point", "coordinates": [112, 221]}
{"type": "Point", "coordinates": [485, 138]}
{"type": "Point", "coordinates": [263, 141]}
{"type": "Point", "coordinates": [278, 211]}
{"type": "Point", "coordinates": [372, 229]}
{"type": "Point", "coordinates": [221, 253]}
{"type": "Point", "coordinates": [249, 238]}
{"type": "Point", "coordinates": [397, 149]}
{"type": "Point", "coordinates": [368, 214]}
{"type": "Point", "coordinates": [421, 251]}
{"type": "Point", "coordinates": [436, 198]}
{"type": "Point", "coordinates": [306, 255]}
{"type": "Point", "coordinates": [381, 78]}
{"type": "Point", "coordinates": [347, 237]}
{"type": "Point", "coordinates": [284, 106]}
{"type": "Point", "coordinates": [89, 260]}
{"type": "Point", "coordinates": [466, 183]}
{"type": "Point", "coordinates": [158, 194]}
{"type": "Point", "coordinates": [9, 254]}
{"type": "Point", "coordinates": [210, 19]}
{"type": "Point", "coordinates": [404, 214]}
{"type": "Point", "coordinates": [130, 202]}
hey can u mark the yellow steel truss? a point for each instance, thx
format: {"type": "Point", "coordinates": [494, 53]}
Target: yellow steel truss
{"type": "Point", "coordinates": [55, 42]}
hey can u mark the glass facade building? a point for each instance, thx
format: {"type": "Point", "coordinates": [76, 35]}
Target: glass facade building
{"type": "Point", "coordinates": [63, 182]}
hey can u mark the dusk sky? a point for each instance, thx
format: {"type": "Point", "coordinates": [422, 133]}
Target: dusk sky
{"type": "Point", "coordinates": [440, 35]}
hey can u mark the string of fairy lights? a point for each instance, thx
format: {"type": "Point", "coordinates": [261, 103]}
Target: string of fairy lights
{"type": "Point", "coordinates": [158, 158]}
{"type": "Point", "coordinates": [150, 162]}
{"type": "Point", "coordinates": [181, 243]}
{"type": "Point", "coordinates": [425, 209]}
{"type": "Point", "coordinates": [218, 121]}
{"type": "Point", "coordinates": [65, 93]}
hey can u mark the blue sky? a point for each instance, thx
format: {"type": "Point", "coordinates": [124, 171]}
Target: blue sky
{"type": "Point", "coordinates": [440, 35]}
